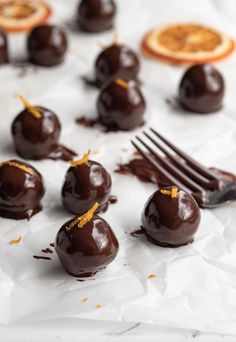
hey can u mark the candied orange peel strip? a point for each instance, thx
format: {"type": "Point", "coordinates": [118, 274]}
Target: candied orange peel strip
{"type": "Point", "coordinates": [152, 276]}
{"type": "Point", "coordinates": [81, 161]}
{"type": "Point", "coordinates": [80, 221]}
{"type": "Point", "coordinates": [33, 110]}
{"type": "Point", "coordinates": [173, 193]}
{"type": "Point", "coordinates": [18, 166]}
{"type": "Point", "coordinates": [14, 242]}
{"type": "Point", "coordinates": [122, 83]}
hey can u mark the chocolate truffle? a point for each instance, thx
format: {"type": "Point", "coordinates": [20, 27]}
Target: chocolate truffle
{"type": "Point", "coordinates": [96, 15]}
{"type": "Point", "coordinates": [21, 190]}
{"type": "Point", "coordinates": [3, 47]}
{"type": "Point", "coordinates": [36, 132]}
{"type": "Point", "coordinates": [86, 182]}
{"type": "Point", "coordinates": [86, 245]}
{"type": "Point", "coordinates": [47, 45]}
{"type": "Point", "coordinates": [170, 217]}
{"type": "Point", "coordinates": [201, 89]}
{"type": "Point", "coordinates": [116, 61]}
{"type": "Point", "coordinates": [121, 105]}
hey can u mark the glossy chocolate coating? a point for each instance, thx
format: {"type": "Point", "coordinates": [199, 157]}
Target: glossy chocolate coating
{"type": "Point", "coordinates": [116, 61]}
{"type": "Point", "coordinates": [84, 185]}
{"type": "Point", "coordinates": [37, 138]}
{"type": "Point", "coordinates": [47, 45]}
{"type": "Point", "coordinates": [87, 250]}
{"type": "Point", "coordinates": [170, 222]}
{"type": "Point", "coordinates": [201, 89]}
{"type": "Point", "coordinates": [120, 108]}
{"type": "Point", "coordinates": [96, 15]}
{"type": "Point", "coordinates": [3, 47]}
{"type": "Point", "coordinates": [20, 192]}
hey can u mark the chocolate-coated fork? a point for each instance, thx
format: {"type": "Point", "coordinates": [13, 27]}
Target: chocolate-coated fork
{"type": "Point", "coordinates": [209, 189]}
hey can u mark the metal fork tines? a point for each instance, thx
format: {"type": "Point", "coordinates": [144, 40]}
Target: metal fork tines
{"type": "Point", "coordinates": [175, 165]}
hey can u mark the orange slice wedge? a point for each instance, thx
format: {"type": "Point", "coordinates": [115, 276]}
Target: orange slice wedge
{"type": "Point", "coordinates": [186, 43]}
{"type": "Point", "coordinates": [23, 15]}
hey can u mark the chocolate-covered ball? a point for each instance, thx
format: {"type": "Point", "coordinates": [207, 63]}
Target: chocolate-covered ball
{"type": "Point", "coordinates": [47, 45]}
{"type": "Point", "coordinates": [21, 190]}
{"type": "Point", "coordinates": [37, 136]}
{"type": "Point", "coordinates": [116, 61]}
{"type": "Point", "coordinates": [83, 251]}
{"type": "Point", "coordinates": [201, 89]}
{"type": "Point", "coordinates": [96, 15]}
{"type": "Point", "coordinates": [121, 105]}
{"type": "Point", "coordinates": [170, 219]}
{"type": "Point", "coordinates": [84, 185]}
{"type": "Point", "coordinates": [3, 47]}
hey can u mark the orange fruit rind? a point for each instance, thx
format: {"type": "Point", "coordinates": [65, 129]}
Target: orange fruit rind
{"type": "Point", "coordinates": [187, 43]}
{"type": "Point", "coordinates": [23, 15]}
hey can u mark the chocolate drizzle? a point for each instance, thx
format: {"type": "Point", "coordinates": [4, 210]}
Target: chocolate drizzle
{"type": "Point", "coordinates": [41, 257]}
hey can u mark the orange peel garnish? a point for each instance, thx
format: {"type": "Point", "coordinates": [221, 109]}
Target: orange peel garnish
{"type": "Point", "coordinates": [152, 276]}
{"type": "Point", "coordinates": [16, 241]}
{"type": "Point", "coordinates": [122, 83]}
{"type": "Point", "coordinates": [80, 221]}
{"type": "Point", "coordinates": [81, 161]}
{"type": "Point", "coordinates": [18, 166]}
{"type": "Point", "coordinates": [23, 15]}
{"type": "Point", "coordinates": [33, 110]}
{"type": "Point", "coordinates": [173, 193]}
{"type": "Point", "coordinates": [98, 306]}
{"type": "Point", "coordinates": [187, 43]}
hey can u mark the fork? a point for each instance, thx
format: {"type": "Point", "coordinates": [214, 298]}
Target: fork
{"type": "Point", "coordinates": [209, 189]}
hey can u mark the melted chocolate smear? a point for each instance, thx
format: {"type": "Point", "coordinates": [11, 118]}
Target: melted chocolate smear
{"type": "Point", "coordinates": [61, 152]}
{"type": "Point", "coordinates": [52, 244]}
{"type": "Point", "coordinates": [137, 232]}
{"type": "Point", "coordinates": [83, 121]}
{"type": "Point", "coordinates": [90, 82]}
{"type": "Point", "coordinates": [46, 250]}
{"type": "Point", "coordinates": [41, 257]}
{"type": "Point", "coordinates": [112, 199]}
{"type": "Point", "coordinates": [145, 172]}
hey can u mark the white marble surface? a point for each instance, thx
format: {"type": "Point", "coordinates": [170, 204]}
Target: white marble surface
{"type": "Point", "coordinates": [88, 330]}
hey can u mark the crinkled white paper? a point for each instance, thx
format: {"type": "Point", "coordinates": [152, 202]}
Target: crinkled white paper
{"type": "Point", "coordinates": [195, 285]}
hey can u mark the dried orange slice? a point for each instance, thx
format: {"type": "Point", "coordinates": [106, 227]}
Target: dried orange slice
{"type": "Point", "coordinates": [23, 15]}
{"type": "Point", "coordinates": [185, 43]}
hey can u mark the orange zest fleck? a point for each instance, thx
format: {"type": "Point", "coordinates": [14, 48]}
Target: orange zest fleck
{"type": "Point", "coordinates": [173, 193]}
{"type": "Point", "coordinates": [81, 161]}
{"type": "Point", "coordinates": [33, 110]}
{"type": "Point", "coordinates": [122, 83]}
{"type": "Point", "coordinates": [98, 306]}
{"type": "Point", "coordinates": [152, 276]}
{"type": "Point", "coordinates": [85, 300]}
{"type": "Point", "coordinates": [16, 241]}
{"type": "Point", "coordinates": [80, 221]}
{"type": "Point", "coordinates": [19, 166]}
